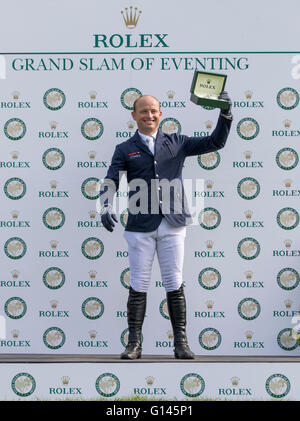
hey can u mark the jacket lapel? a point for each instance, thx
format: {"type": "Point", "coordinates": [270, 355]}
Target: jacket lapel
{"type": "Point", "coordinates": [159, 141]}
{"type": "Point", "coordinates": [138, 141]}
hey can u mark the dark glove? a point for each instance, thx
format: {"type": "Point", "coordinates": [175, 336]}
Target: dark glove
{"type": "Point", "coordinates": [107, 218]}
{"type": "Point", "coordinates": [224, 95]}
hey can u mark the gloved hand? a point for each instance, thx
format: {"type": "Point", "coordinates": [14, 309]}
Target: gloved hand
{"type": "Point", "coordinates": [107, 218]}
{"type": "Point", "coordinates": [224, 95]}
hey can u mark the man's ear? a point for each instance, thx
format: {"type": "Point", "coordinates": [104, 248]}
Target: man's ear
{"type": "Point", "coordinates": [133, 115]}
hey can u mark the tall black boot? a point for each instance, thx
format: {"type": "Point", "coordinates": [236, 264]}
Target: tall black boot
{"type": "Point", "coordinates": [177, 312]}
{"type": "Point", "coordinates": [136, 308]}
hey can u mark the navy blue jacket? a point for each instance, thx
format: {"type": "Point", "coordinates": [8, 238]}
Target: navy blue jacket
{"type": "Point", "coordinates": [134, 157]}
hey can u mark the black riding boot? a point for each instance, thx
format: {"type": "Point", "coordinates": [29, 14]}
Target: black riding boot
{"type": "Point", "coordinates": [136, 308]}
{"type": "Point", "coordinates": [177, 311]}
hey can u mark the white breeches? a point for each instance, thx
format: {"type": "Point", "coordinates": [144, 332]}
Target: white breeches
{"type": "Point", "coordinates": [168, 242]}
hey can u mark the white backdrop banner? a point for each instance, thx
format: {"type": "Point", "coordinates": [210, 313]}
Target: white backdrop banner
{"type": "Point", "coordinates": [69, 73]}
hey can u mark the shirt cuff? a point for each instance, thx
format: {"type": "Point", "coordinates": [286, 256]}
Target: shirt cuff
{"type": "Point", "coordinates": [228, 116]}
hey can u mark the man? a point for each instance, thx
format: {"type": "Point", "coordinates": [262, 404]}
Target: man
{"type": "Point", "coordinates": [154, 156]}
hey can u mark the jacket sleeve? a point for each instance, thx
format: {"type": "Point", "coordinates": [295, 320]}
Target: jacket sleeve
{"type": "Point", "coordinates": [211, 143]}
{"type": "Point", "coordinates": [110, 184]}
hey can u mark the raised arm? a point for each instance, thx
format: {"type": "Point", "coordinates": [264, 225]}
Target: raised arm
{"type": "Point", "coordinates": [218, 138]}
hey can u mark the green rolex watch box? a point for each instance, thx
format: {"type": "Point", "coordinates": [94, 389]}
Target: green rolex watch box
{"type": "Point", "coordinates": [206, 87]}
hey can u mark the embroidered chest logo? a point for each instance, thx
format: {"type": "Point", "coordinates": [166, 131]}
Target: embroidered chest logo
{"type": "Point", "coordinates": [133, 155]}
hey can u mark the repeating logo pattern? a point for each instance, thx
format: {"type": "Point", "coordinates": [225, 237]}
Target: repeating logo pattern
{"type": "Point", "coordinates": [15, 188]}
{"type": "Point", "coordinates": [54, 278]}
{"type": "Point", "coordinates": [286, 340]}
{"type": "Point", "coordinates": [249, 308]}
{"type": "Point", "coordinates": [209, 218]}
{"type": "Point", "coordinates": [92, 248]}
{"type": "Point", "coordinates": [287, 158]}
{"type": "Point", "coordinates": [15, 248]}
{"type": "Point", "coordinates": [209, 278]}
{"type": "Point", "coordinates": [15, 129]}
{"type": "Point", "coordinates": [92, 128]}
{"type": "Point", "coordinates": [54, 338]}
{"type": "Point", "coordinates": [90, 188]}
{"type": "Point", "coordinates": [287, 98]}
{"type": "Point", "coordinates": [249, 173]}
{"type": "Point", "coordinates": [15, 308]}
{"type": "Point", "coordinates": [107, 385]}
{"type": "Point", "coordinates": [210, 338]}
{"type": "Point", "coordinates": [288, 218]}
{"type": "Point", "coordinates": [288, 279]}
{"type": "Point", "coordinates": [92, 308]}
{"type": "Point", "coordinates": [248, 128]}
{"type": "Point", "coordinates": [278, 385]}
{"type": "Point", "coordinates": [248, 188]}
{"type": "Point", "coordinates": [53, 158]}
{"type": "Point", "coordinates": [170, 125]}
{"type": "Point", "coordinates": [23, 384]}
{"type": "Point", "coordinates": [53, 218]}
{"type": "Point", "coordinates": [129, 96]}
{"type": "Point", "coordinates": [248, 248]}
{"type": "Point", "coordinates": [209, 161]}
{"type": "Point", "coordinates": [192, 385]}
{"type": "Point", "coordinates": [54, 99]}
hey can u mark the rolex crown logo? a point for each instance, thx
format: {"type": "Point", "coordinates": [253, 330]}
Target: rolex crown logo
{"type": "Point", "coordinates": [288, 183]}
{"type": "Point", "coordinates": [92, 214]}
{"type": "Point", "coordinates": [15, 214]}
{"type": "Point", "coordinates": [15, 333]}
{"type": "Point", "coordinates": [15, 154]}
{"type": "Point", "coordinates": [15, 95]}
{"type": "Point", "coordinates": [93, 94]}
{"type": "Point", "coordinates": [131, 17]}
{"type": "Point", "coordinates": [53, 184]}
{"type": "Point", "coordinates": [171, 94]}
{"type": "Point", "coordinates": [93, 334]}
{"type": "Point", "coordinates": [65, 379]}
{"type": "Point", "coordinates": [170, 334]}
{"type": "Point", "coordinates": [248, 94]}
{"type": "Point", "coordinates": [249, 335]}
{"type": "Point", "coordinates": [234, 381]}
{"type": "Point", "coordinates": [208, 124]}
{"type": "Point", "coordinates": [209, 184]}
{"type": "Point", "coordinates": [288, 243]}
{"type": "Point", "coordinates": [150, 380]}
{"type": "Point", "coordinates": [248, 154]}
{"type": "Point", "coordinates": [287, 123]}
{"type": "Point", "coordinates": [130, 124]}
{"type": "Point", "coordinates": [53, 244]}
{"type": "Point", "coordinates": [54, 304]}
{"type": "Point", "coordinates": [15, 273]}
{"type": "Point", "coordinates": [249, 274]}
{"type": "Point", "coordinates": [288, 303]}
{"type": "Point", "coordinates": [92, 154]}
{"type": "Point", "coordinates": [248, 214]}
{"type": "Point", "coordinates": [92, 274]}
{"type": "Point", "coordinates": [209, 244]}
{"type": "Point", "coordinates": [53, 124]}
{"type": "Point", "coordinates": [209, 304]}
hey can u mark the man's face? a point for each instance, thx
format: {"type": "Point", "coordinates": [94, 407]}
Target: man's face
{"type": "Point", "coordinates": [147, 115]}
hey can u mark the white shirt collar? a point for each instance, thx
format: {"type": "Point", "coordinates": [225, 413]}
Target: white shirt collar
{"type": "Point", "coordinates": [145, 136]}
